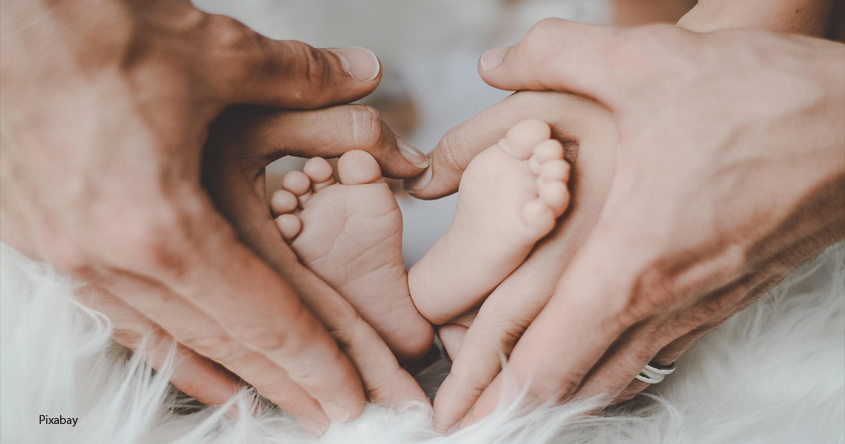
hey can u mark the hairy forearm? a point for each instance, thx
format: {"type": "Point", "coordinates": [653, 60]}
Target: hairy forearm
{"type": "Point", "coordinates": [808, 17]}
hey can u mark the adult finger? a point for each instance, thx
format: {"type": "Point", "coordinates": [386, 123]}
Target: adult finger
{"type": "Point", "coordinates": [270, 134]}
{"type": "Point", "coordinates": [452, 336]}
{"type": "Point", "coordinates": [566, 114]}
{"type": "Point", "coordinates": [205, 335]}
{"type": "Point", "coordinates": [201, 259]}
{"type": "Point", "coordinates": [572, 332]}
{"type": "Point", "coordinates": [588, 332]}
{"type": "Point", "coordinates": [478, 351]}
{"type": "Point", "coordinates": [193, 374]}
{"type": "Point", "coordinates": [246, 67]}
{"type": "Point", "coordinates": [664, 358]}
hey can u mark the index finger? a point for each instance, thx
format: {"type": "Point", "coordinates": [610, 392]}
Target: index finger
{"type": "Point", "coordinates": [267, 134]}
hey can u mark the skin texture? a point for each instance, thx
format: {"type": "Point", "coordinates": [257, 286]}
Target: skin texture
{"type": "Point", "coordinates": [733, 234]}
{"type": "Point", "coordinates": [104, 120]}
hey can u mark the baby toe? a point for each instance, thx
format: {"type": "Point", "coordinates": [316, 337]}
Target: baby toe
{"type": "Point", "coordinates": [547, 150]}
{"type": "Point", "coordinates": [555, 195]}
{"type": "Point", "coordinates": [299, 184]}
{"type": "Point", "coordinates": [358, 167]}
{"type": "Point", "coordinates": [289, 225]}
{"type": "Point", "coordinates": [283, 202]}
{"type": "Point", "coordinates": [554, 171]}
{"type": "Point", "coordinates": [524, 136]}
{"type": "Point", "coordinates": [296, 182]}
{"type": "Point", "coordinates": [320, 172]}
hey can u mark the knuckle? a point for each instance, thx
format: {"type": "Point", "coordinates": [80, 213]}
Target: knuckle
{"type": "Point", "coordinates": [127, 338]}
{"type": "Point", "coordinates": [311, 378]}
{"type": "Point", "coordinates": [68, 257]}
{"type": "Point", "coordinates": [149, 343]}
{"type": "Point", "coordinates": [368, 127]}
{"type": "Point", "coordinates": [543, 30]}
{"type": "Point", "coordinates": [535, 44]}
{"type": "Point", "coordinates": [633, 48]}
{"type": "Point", "coordinates": [147, 244]}
{"type": "Point", "coordinates": [236, 51]}
{"type": "Point", "coordinates": [275, 386]}
{"type": "Point", "coordinates": [151, 242]}
{"type": "Point", "coordinates": [652, 292]}
{"type": "Point", "coordinates": [553, 388]}
{"type": "Point", "coordinates": [348, 329]}
{"type": "Point", "coordinates": [380, 386]}
{"type": "Point", "coordinates": [230, 35]}
{"type": "Point", "coordinates": [219, 347]}
{"type": "Point", "coordinates": [313, 66]}
{"type": "Point", "coordinates": [266, 338]}
{"type": "Point", "coordinates": [451, 152]}
{"type": "Point", "coordinates": [630, 392]}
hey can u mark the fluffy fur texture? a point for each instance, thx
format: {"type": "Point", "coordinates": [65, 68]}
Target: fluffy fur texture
{"type": "Point", "coordinates": [775, 373]}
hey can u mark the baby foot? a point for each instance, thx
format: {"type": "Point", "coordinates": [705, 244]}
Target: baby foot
{"type": "Point", "coordinates": [509, 198]}
{"type": "Point", "coordinates": [350, 234]}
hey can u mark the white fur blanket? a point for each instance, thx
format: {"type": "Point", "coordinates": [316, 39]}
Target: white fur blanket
{"type": "Point", "coordinates": [775, 373]}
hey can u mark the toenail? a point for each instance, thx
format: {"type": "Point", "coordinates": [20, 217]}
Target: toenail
{"type": "Point", "coordinates": [412, 154]}
{"type": "Point", "coordinates": [360, 63]}
{"type": "Point", "coordinates": [419, 182]}
{"type": "Point", "coordinates": [493, 57]}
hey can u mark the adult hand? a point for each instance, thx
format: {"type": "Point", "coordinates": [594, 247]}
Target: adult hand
{"type": "Point", "coordinates": [104, 120]}
{"type": "Point", "coordinates": [730, 171]}
{"type": "Point", "coordinates": [504, 316]}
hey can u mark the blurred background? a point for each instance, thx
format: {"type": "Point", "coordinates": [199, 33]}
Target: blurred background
{"type": "Point", "coordinates": [428, 50]}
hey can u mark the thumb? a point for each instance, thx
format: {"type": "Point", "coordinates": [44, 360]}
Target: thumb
{"type": "Point", "coordinates": [248, 68]}
{"type": "Point", "coordinates": [558, 55]}
{"type": "Point", "coordinates": [263, 135]}
{"type": "Point", "coordinates": [455, 151]}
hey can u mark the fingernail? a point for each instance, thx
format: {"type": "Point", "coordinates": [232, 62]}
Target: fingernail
{"type": "Point", "coordinates": [335, 411]}
{"type": "Point", "coordinates": [312, 426]}
{"type": "Point", "coordinates": [419, 182]}
{"type": "Point", "coordinates": [413, 155]}
{"type": "Point", "coordinates": [360, 63]}
{"type": "Point", "coordinates": [493, 57]}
